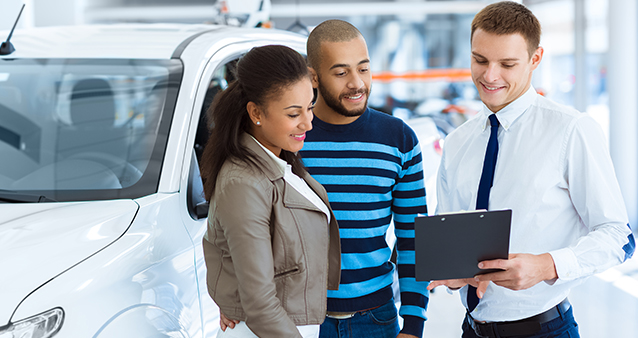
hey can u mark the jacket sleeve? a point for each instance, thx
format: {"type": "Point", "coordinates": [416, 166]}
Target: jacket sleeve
{"type": "Point", "coordinates": [243, 210]}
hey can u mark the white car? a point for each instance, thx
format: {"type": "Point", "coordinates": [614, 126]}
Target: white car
{"type": "Point", "coordinates": [101, 207]}
{"type": "Point", "coordinates": [431, 141]}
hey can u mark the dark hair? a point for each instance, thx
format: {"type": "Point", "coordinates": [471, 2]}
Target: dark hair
{"type": "Point", "coordinates": [508, 17]}
{"type": "Point", "coordinates": [261, 75]}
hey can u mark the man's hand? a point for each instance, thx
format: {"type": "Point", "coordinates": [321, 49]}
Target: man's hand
{"type": "Point", "coordinates": [522, 271]}
{"type": "Point", "coordinates": [224, 322]}
{"type": "Point", "coordinates": [455, 284]}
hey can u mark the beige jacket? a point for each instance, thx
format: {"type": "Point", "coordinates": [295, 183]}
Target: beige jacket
{"type": "Point", "coordinates": [270, 253]}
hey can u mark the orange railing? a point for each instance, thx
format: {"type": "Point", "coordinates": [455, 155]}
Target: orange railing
{"type": "Point", "coordinates": [446, 74]}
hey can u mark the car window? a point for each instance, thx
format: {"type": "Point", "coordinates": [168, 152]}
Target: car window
{"type": "Point", "coordinates": [85, 129]}
{"type": "Point", "coordinates": [221, 77]}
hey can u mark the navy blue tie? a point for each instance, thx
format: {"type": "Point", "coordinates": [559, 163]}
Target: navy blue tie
{"type": "Point", "coordinates": [485, 184]}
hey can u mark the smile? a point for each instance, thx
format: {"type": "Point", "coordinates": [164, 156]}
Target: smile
{"type": "Point", "coordinates": [354, 97]}
{"type": "Point", "coordinates": [299, 137]}
{"type": "Point", "coordinates": [491, 88]}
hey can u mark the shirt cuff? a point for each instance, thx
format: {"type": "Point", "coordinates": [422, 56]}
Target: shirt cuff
{"type": "Point", "coordinates": [566, 264]}
{"type": "Point", "coordinates": [413, 325]}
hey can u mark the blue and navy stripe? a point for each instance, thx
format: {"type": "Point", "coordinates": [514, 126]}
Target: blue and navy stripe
{"type": "Point", "coordinates": [630, 247]}
{"type": "Point", "coordinates": [372, 171]}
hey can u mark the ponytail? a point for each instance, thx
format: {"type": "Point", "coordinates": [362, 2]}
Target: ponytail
{"type": "Point", "coordinates": [261, 75]}
{"type": "Point", "coordinates": [228, 120]}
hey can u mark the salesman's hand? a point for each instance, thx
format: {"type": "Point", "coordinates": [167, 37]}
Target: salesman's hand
{"type": "Point", "coordinates": [224, 322]}
{"type": "Point", "coordinates": [522, 271]}
{"type": "Point", "coordinates": [459, 283]}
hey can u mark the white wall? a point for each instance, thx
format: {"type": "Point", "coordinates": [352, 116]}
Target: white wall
{"type": "Point", "coordinates": [9, 10]}
{"type": "Point", "coordinates": [40, 13]}
{"type": "Point", "coordinates": [58, 12]}
{"type": "Point", "coordinates": [623, 103]}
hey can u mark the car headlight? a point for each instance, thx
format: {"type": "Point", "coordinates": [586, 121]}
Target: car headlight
{"type": "Point", "coordinates": [44, 325]}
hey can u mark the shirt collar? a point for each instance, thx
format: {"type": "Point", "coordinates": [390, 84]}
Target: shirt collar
{"type": "Point", "coordinates": [512, 111]}
{"type": "Point", "coordinates": [281, 164]}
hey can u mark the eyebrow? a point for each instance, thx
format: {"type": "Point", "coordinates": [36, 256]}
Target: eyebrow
{"type": "Point", "coordinates": [293, 107]}
{"type": "Point", "coordinates": [501, 60]}
{"type": "Point", "coordinates": [344, 65]}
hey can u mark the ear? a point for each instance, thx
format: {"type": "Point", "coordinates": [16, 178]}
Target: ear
{"type": "Point", "coordinates": [537, 57]}
{"type": "Point", "coordinates": [254, 112]}
{"type": "Point", "coordinates": [313, 77]}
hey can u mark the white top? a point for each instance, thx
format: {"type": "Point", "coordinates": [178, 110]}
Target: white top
{"type": "Point", "coordinates": [242, 330]}
{"type": "Point", "coordinates": [297, 182]}
{"type": "Point", "coordinates": [555, 173]}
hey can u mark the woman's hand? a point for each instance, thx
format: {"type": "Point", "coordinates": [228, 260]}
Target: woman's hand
{"type": "Point", "coordinates": [224, 322]}
{"type": "Point", "coordinates": [455, 284]}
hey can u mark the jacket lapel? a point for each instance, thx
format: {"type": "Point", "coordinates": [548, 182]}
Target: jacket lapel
{"type": "Point", "coordinates": [292, 198]}
{"type": "Point", "coordinates": [316, 187]}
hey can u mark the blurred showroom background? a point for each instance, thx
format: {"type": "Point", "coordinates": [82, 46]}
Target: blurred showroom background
{"type": "Point", "coordinates": [420, 56]}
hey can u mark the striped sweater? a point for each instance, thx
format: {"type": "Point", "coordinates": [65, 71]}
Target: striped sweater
{"type": "Point", "coordinates": [372, 171]}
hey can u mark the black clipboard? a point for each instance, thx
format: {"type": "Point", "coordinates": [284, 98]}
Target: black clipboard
{"type": "Point", "coordinates": [450, 246]}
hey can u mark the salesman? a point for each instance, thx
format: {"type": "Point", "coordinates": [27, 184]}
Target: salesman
{"type": "Point", "coordinates": [551, 166]}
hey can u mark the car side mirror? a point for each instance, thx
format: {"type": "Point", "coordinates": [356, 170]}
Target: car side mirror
{"type": "Point", "coordinates": [201, 210]}
{"type": "Point", "coordinates": [197, 204]}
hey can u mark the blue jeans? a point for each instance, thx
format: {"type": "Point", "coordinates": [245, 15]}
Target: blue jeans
{"type": "Point", "coordinates": [562, 327]}
{"type": "Point", "coordinates": [376, 323]}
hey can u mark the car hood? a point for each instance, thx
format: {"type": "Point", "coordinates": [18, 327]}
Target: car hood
{"type": "Point", "coordinates": [40, 241]}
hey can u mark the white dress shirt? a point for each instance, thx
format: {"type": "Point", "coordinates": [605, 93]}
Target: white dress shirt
{"type": "Point", "coordinates": [554, 171]}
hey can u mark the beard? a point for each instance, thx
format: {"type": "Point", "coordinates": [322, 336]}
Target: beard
{"type": "Point", "coordinates": [334, 101]}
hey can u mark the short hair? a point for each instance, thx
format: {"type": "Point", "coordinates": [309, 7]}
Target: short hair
{"type": "Point", "coordinates": [509, 17]}
{"type": "Point", "coordinates": [328, 31]}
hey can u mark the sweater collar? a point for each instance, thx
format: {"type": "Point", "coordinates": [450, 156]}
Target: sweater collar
{"type": "Point", "coordinates": [342, 128]}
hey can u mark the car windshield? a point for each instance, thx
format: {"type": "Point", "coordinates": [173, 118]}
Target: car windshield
{"type": "Point", "coordinates": [73, 130]}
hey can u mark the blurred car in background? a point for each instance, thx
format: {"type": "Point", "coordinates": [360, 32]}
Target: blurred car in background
{"type": "Point", "coordinates": [449, 98]}
{"type": "Point", "coordinates": [101, 206]}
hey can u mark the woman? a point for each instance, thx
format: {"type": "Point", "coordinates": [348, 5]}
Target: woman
{"type": "Point", "coordinates": [272, 244]}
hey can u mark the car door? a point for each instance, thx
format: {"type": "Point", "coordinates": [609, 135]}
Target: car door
{"type": "Point", "coordinates": [215, 78]}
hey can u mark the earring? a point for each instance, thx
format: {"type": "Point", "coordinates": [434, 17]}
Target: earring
{"type": "Point", "coordinates": [258, 123]}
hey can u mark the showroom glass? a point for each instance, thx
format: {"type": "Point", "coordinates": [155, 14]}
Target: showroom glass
{"type": "Point", "coordinates": [88, 129]}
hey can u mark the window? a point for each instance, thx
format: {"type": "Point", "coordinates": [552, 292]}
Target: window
{"type": "Point", "coordinates": [85, 129]}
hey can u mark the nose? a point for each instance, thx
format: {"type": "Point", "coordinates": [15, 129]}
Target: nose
{"type": "Point", "coordinates": [355, 81]}
{"type": "Point", "coordinates": [492, 73]}
{"type": "Point", "coordinates": [306, 122]}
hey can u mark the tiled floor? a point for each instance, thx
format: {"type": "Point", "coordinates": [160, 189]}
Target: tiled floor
{"type": "Point", "coordinates": [605, 306]}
